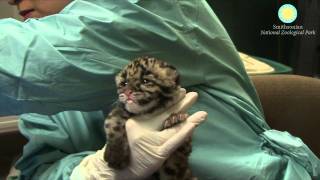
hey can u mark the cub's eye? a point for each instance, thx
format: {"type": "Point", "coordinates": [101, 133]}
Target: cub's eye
{"type": "Point", "coordinates": [147, 82]}
{"type": "Point", "coordinates": [123, 83]}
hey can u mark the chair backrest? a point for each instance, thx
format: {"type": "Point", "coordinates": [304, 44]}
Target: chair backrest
{"type": "Point", "coordinates": [292, 103]}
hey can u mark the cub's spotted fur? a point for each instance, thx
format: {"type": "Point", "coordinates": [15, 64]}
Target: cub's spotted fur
{"type": "Point", "coordinates": [146, 85]}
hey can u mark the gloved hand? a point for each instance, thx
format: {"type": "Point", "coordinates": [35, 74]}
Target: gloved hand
{"type": "Point", "coordinates": [149, 147]}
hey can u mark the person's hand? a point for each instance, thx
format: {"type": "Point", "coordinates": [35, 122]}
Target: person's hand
{"type": "Point", "coordinates": [149, 148]}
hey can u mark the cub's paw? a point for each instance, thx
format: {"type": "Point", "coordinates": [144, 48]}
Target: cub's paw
{"type": "Point", "coordinates": [175, 119]}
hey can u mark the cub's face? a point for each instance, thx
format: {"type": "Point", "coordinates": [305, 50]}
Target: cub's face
{"type": "Point", "coordinates": [146, 84]}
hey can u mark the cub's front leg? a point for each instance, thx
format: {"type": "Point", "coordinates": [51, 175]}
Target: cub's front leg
{"type": "Point", "coordinates": [117, 152]}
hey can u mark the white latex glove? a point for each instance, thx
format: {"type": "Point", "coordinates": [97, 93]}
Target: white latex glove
{"type": "Point", "coordinates": [149, 147]}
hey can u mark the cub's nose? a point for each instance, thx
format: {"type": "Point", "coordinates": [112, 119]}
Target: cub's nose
{"type": "Point", "coordinates": [128, 92]}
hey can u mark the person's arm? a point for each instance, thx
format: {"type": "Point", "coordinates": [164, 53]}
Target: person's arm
{"type": "Point", "coordinates": [52, 64]}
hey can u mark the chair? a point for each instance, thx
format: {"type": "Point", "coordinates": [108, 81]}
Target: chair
{"type": "Point", "coordinates": [292, 103]}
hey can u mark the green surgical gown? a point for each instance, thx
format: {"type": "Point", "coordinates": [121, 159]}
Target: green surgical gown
{"type": "Point", "coordinates": [58, 72]}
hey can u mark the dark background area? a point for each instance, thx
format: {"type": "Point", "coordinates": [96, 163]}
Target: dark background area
{"type": "Point", "coordinates": [245, 19]}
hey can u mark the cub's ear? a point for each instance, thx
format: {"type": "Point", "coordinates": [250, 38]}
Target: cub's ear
{"type": "Point", "coordinates": [172, 76]}
{"type": "Point", "coordinates": [174, 72]}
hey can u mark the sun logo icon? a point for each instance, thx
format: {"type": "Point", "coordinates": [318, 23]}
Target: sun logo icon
{"type": "Point", "coordinates": [287, 13]}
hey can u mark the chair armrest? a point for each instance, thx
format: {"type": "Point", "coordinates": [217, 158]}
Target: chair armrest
{"type": "Point", "coordinates": [292, 103]}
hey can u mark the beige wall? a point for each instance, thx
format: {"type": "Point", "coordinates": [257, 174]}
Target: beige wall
{"type": "Point", "coordinates": [8, 11]}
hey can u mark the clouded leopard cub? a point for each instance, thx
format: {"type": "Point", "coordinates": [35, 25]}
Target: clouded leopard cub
{"type": "Point", "coordinates": [145, 85]}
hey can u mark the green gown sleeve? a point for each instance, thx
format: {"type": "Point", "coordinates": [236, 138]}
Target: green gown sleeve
{"type": "Point", "coordinates": [67, 62]}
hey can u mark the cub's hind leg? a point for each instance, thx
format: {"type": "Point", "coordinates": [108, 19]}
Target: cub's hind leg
{"type": "Point", "coordinates": [176, 167]}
